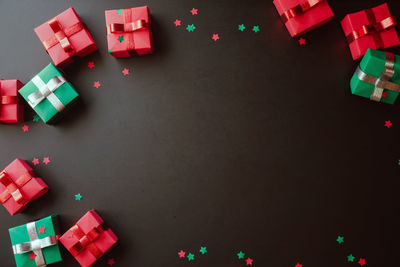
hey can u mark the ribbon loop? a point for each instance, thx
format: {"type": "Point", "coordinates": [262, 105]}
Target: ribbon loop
{"type": "Point", "coordinates": [61, 36]}
{"type": "Point", "coordinates": [13, 188]}
{"type": "Point", "coordinates": [299, 9]}
{"type": "Point", "coordinates": [46, 91]}
{"type": "Point", "coordinates": [127, 27]}
{"type": "Point", "coordinates": [85, 241]}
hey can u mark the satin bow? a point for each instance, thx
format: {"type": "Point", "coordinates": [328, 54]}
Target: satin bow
{"type": "Point", "coordinates": [127, 27]}
{"type": "Point", "coordinates": [46, 91]}
{"type": "Point", "coordinates": [299, 9]}
{"type": "Point", "coordinates": [85, 241]}
{"type": "Point", "coordinates": [13, 188]}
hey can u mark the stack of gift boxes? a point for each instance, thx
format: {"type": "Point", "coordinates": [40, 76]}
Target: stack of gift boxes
{"type": "Point", "coordinates": [367, 32]}
{"type": "Point", "coordinates": [64, 37]}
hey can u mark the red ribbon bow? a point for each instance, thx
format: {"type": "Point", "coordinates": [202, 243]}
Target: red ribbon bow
{"type": "Point", "coordinates": [300, 9]}
{"type": "Point", "coordinates": [61, 35]}
{"type": "Point", "coordinates": [373, 28]}
{"type": "Point", "coordinates": [13, 188]}
{"type": "Point", "coordinates": [86, 240]}
{"type": "Point", "coordinates": [7, 99]}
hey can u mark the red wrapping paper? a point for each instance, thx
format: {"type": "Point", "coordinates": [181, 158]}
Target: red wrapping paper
{"type": "Point", "coordinates": [370, 28]}
{"type": "Point", "coordinates": [65, 37]}
{"type": "Point", "coordinates": [88, 239]}
{"type": "Point", "coordinates": [137, 42]}
{"type": "Point", "coordinates": [301, 16]}
{"type": "Point", "coordinates": [21, 180]}
{"type": "Point", "coordinates": [11, 110]}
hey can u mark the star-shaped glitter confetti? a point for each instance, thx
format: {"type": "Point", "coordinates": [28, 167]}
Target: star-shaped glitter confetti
{"type": "Point", "coordinates": [181, 254]}
{"type": "Point", "coordinates": [302, 41]}
{"type": "Point", "coordinates": [194, 11]}
{"type": "Point", "coordinates": [41, 230]}
{"type": "Point", "coordinates": [90, 65]}
{"type": "Point", "coordinates": [32, 256]}
{"type": "Point", "coordinates": [298, 265]}
{"type": "Point", "coordinates": [361, 262]}
{"type": "Point", "coordinates": [110, 52]}
{"type": "Point", "coordinates": [120, 11]}
{"type": "Point", "coordinates": [384, 94]}
{"type": "Point", "coordinates": [46, 160]}
{"type": "Point", "coordinates": [340, 239]}
{"type": "Point", "coordinates": [215, 37]}
{"type": "Point", "coordinates": [36, 118]}
{"type": "Point", "coordinates": [25, 128]}
{"type": "Point", "coordinates": [256, 29]}
{"type": "Point", "coordinates": [96, 84]}
{"type": "Point", "coordinates": [177, 23]}
{"type": "Point", "coordinates": [190, 257]}
{"type": "Point", "coordinates": [190, 28]}
{"type": "Point", "coordinates": [240, 255]}
{"type": "Point", "coordinates": [78, 196]}
{"type": "Point", "coordinates": [121, 38]}
{"type": "Point", "coordinates": [350, 258]}
{"type": "Point", "coordinates": [125, 71]}
{"type": "Point", "coordinates": [388, 124]}
{"type": "Point", "coordinates": [111, 262]}
{"type": "Point", "coordinates": [249, 261]}
{"type": "Point", "coordinates": [241, 27]}
{"type": "Point", "coordinates": [35, 161]}
{"type": "Point", "coordinates": [203, 250]}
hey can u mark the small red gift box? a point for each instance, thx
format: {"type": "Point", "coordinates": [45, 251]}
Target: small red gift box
{"type": "Point", "coordinates": [301, 16]}
{"type": "Point", "coordinates": [19, 185]}
{"type": "Point", "coordinates": [88, 239]}
{"type": "Point", "coordinates": [11, 110]}
{"type": "Point", "coordinates": [128, 32]}
{"type": "Point", "coordinates": [65, 36]}
{"type": "Point", "coordinates": [371, 28]}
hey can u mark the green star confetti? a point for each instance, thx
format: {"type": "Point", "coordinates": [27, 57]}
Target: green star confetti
{"type": "Point", "coordinates": [399, 161]}
{"type": "Point", "coordinates": [78, 197]}
{"type": "Point", "coordinates": [340, 239]}
{"type": "Point", "coordinates": [256, 29]}
{"type": "Point", "coordinates": [203, 250]}
{"type": "Point", "coordinates": [190, 257]}
{"type": "Point", "coordinates": [121, 38]}
{"type": "Point", "coordinates": [350, 258]}
{"type": "Point", "coordinates": [190, 28]}
{"type": "Point", "coordinates": [240, 255]}
{"type": "Point", "coordinates": [119, 11]}
{"type": "Point", "coordinates": [241, 27]}
{"type": "Point", "coordinates": [36, 118]}
{"type": "Point", "coordinates": [110, 51]}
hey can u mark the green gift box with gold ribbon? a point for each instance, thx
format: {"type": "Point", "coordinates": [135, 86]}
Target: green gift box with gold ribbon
{"type": "Point", "coordinates": [377, 77]}
{"type": "Point", "coordinates": [35, 244]}
{"type": "Point", "coordinates": [48, 93]}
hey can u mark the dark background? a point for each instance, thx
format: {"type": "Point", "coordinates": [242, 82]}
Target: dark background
{"type": "Point", "coordinates": [250, 143]}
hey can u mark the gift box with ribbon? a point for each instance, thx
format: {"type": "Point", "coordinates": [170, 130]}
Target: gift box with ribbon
{"type": "Point", "coordinates": [35, 244]}
{"type": "Point", "coordinates": [301, 16]}
{"type": "Point", "coordinates": [48, 93]}
{"type": "Point", "coordinates": [88, 239]}
{"type": "Point", "coordinates": [371, 28]}
{"type": "Point", "coordinates": [11, 110]}
{"type": "Point", "coordinates": [377, 77]}
{"type": "Point", "coordinates": [19, 185]}
{"type": "Point", "coordinates": [128, 32]}
{"type": "Point", "coordinates": [64, 37]}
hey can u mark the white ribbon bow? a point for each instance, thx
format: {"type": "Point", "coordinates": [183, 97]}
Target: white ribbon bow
{"type": "Point", "coordinates": [46, 91]}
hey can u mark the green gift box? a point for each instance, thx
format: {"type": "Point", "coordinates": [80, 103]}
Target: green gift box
{"type": "Point", "coordinates": [48, 93]}
{"type": "Point", "coordinates": [35, 243]}
{"type": "Point", "coordinates": [377, 77]}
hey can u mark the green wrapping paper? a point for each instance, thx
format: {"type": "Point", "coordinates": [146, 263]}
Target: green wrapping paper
{"type": "Point", "coordinates": [51, 253]}
{"type": "Point", "coordinates": [50, 98]}
{"type": "Point", "coordinates": [375, 64]}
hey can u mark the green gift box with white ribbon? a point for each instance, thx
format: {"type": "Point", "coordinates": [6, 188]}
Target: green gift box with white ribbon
{"type": "Point", "coordinates": [48, 93]}
{"type": "Point", "coordinates": [35, 244]}
{"type": "Point", "coordinates": [377, 77]}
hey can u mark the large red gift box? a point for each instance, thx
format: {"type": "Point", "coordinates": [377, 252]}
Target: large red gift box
{"type": "Point", "coordinates": [11, 110]}
{"type": "Point", "coordinates": [64, 37]}
{"type": "Point", "coordinates": [301, 16]}
{"type": "Point", "coordinates": [19, 185]}
{"type": "Point", "coordinates": [371, 28]}
{"type": "Point", "coordinates": [128, 32]}
{"type": "Point", "coordinates": [88, 239]}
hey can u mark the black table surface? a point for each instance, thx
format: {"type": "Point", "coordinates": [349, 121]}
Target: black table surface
{"type": "Point", "coordinates": [251, 143]}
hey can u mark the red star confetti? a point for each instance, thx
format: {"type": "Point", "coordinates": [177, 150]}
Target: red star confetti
{"type": "Point", "coordinates": [177, 23]}
{"type": "Point", "coordinates": [181, 254]}
{"type": "Point", "coordinates": [194, 11]}
{"type": "Point", "coordinates": [41, 230]}
{"type": "Point", "coordinates": [125, 71]}
{"type": "Point", "coordinates": [361, 261]}
{"type": "Point", "coordinates": [388, 124]}
{"type": "Point", "coordinates": [35, 161]}
{"type": "Point", "coordinates": [249, 261]}
{"type": "Point", "coordinates": [298, 265]}
{"type": "Point", "coordinates": [91, 65]}
{"type": "Point", "coordinates": [111, 262]}
{"type": "Point", "coordinates": [46, 160]}
{"type": "Point", "coordinates": [25, 128]}
{"type": "Point", "coordinates": [96, 84]}
{"type": "Point", "coordinates": [384, 94]}
{"type": "Point", "coordinates": [215, 37]}
{"type": "Point", "coordinates": [302, 41]}
{"type": "Point", "coordinates": [32, 256]}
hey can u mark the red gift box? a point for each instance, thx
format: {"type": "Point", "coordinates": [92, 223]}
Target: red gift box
{"type": "Point", "coordinates": [64, 37]}
{"type": "Point", "coordinates": [301, 16]}
{"type": "Point", "coordinates": [19, 185]}
{"type": "Point", "coordinates": [11, 110]}
{"type": "Point", "coordinates": [128, 32]}
{"type": "Point", "coordinates": [371, 28]}
{"type": "Point", "coordinates": [88, 239]}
